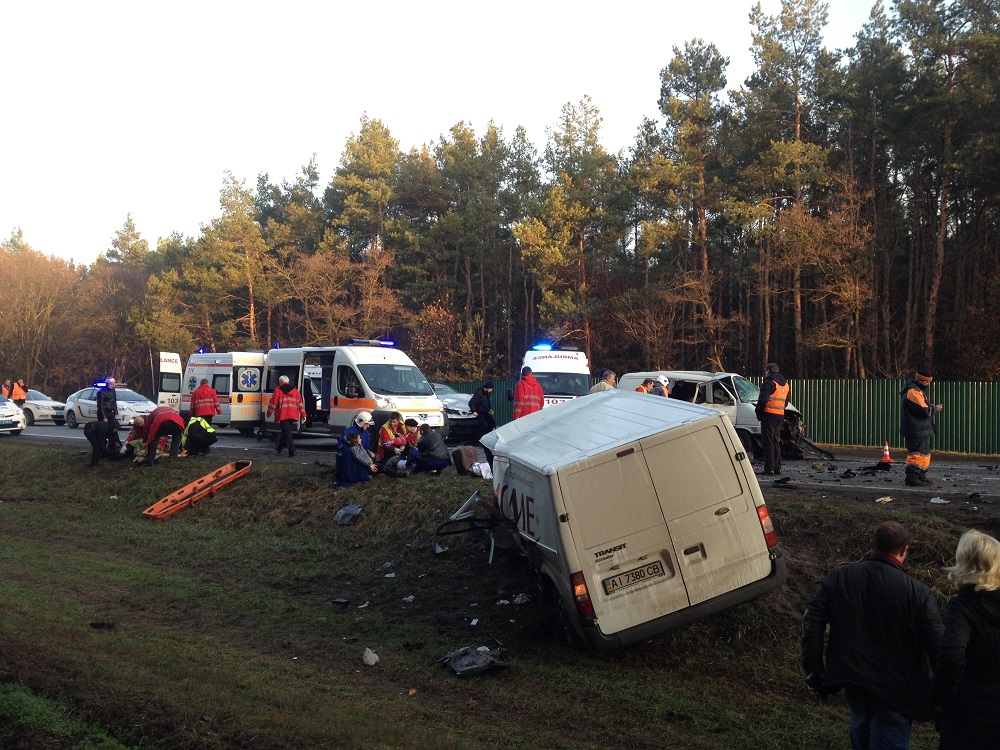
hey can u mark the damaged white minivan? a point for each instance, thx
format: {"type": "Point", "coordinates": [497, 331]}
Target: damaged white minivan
{"type": "Point", "coordinates": [640, 515]}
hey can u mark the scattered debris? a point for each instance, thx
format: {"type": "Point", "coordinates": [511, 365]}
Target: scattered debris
{"type": "Point", "coordinates": [438, 549]}
{"type": "Point", "coordinates": [885, 499]}
{"type": "Point", "coordinates": [390, 575]}
{"type": "Point", "coordinates": [346, 515]}
{"type": "Point", "coordinates": [472, 660]}
{"type": "Point", "coordinates": [409, 599]}
{"type": "Point", "coordinates": [503, 602]}
{"type": "Point", "coordinates": [847, 474]}
{"type": "Point", "coordinates": [939, 501]}
{"type": "Point", "coordinates": [521, 599]}
{"type": "Point", "coordinates": [370, 657]}
{"type": "Point", "coordinates": [342, 602]}
{"type": "Point", "coordinates": [975, 496]}
{"type": "Point", "coordinates": [475, 621]}
{"type": "Point", "coordinates": [819, 467]}
{"type": "Point", "coordinates": [387, 565]}
{"type": "Point", "coordinates": [362, 606]}
{"type": "Point", "coordinates": [783, 480]}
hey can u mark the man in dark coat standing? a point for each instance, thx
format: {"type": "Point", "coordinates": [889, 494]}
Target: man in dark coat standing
{"type": "Point", "coordinates": [916, 424]}
{"type": "Point", "coordinates": [107, 404]}
{"type": "Point", "coordinates": [770, 411]}
{"type": "Point", "coordinates": [481, 405]}
{"type": "Point", "coordinates": [884, 633]}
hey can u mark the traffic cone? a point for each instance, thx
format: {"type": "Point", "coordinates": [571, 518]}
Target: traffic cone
{"type": "Point", "coordinates": [886, 458]}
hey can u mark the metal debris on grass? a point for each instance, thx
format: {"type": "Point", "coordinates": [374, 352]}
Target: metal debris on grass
{"type": "Point", "coordinates": [472, 659]}
{"type": "Point", "coordinates": [346, 515]}
{"type": "Point", "coordinates": [885, 499]}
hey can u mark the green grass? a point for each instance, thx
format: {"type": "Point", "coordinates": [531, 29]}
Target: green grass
{"type": "Point", "coordinates": [226, 633]}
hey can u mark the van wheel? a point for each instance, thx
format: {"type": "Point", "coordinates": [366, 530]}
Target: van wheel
{"type": "Point", "coordinates": [749, 444]}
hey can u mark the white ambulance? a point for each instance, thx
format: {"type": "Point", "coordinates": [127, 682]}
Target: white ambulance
{"type": "Point", "coordinates": [337, 382]}
{"type": "Point", "coordinates": [639, 514]}
{"type": "Point", "coordinates": [564, 374]}
{"type": "Point", "coordinates": [235, 376]}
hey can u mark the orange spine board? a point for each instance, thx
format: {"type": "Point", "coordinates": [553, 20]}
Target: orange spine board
{"type": "Point", "coordinates": [196, 490]}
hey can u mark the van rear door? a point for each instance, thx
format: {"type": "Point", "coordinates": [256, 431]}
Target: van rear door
{"type": "Point", "coordinates": [709, 509]}
{"type": "Point", "coordinates": [621, 538]}
{"type": "Point", "coordinates": [168, 384]}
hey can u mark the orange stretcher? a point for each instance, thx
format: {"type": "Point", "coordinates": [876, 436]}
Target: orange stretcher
{"type": "Point", "coordinates": [192, 493]}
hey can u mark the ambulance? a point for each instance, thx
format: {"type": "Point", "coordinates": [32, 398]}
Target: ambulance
{"type": "Point", "coordinates": [235, 376]}
{"type": "Point", "coordinates": [564, 374]}
{"type": "Point", "coordinates": [337, 382]}
{"type": "Point", "coordinates": [639, 514]}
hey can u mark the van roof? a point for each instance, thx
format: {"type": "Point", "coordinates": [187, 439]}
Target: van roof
{"type": "Point", "coordinates": [574, 430]}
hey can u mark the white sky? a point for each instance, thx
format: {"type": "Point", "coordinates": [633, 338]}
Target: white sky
{"type": "Point", "coordinates": [111, 108]}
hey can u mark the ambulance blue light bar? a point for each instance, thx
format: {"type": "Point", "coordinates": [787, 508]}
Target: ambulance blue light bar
{"type": "Point", "coordinates": [542, 347]}
{"type": "Point", "coordinates": [370, 342]}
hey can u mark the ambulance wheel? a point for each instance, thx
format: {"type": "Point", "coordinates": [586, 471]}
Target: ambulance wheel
{"type": "Point", "coordinates": [71, 420]}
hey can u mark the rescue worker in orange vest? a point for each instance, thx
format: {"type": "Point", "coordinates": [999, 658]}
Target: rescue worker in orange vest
{"type": "Point", "coordinates": [645, 386]}
{"type": "Point", "coordinates": [288, 410]}
{"type": "Point", "coordinates": [770, 411]}
{"type": "Point", "coordinates": [528, 394]}
{"type": "Point", "coordinates": [205, 402]}
{"type": "Point", "coordinates": [16, 391]}
{"type": "Point", "coordinates": [917, 427]}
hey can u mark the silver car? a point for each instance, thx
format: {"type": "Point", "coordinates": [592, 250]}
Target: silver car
{"type": "Point", "coordinates": [40, 408]}
{"type": "Point", "coordinates": [81, 407]}
{"type": "Point", "coordinates": [462, 423]}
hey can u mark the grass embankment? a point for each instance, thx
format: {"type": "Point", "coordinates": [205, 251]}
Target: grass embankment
{"type": "Point", "coordinates": [226, 633]}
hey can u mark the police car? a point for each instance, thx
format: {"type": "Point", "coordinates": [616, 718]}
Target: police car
{"type": "Point", "coordinates": [81, 407]}
{"type": "Point", "coordinates": [11, 417]}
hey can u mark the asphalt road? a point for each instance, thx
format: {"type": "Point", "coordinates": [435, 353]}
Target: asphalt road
{"type": "Point", "coordinates": [958, 479]}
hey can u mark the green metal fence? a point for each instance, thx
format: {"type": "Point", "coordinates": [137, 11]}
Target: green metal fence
{"type": "Point", "coordinates": [865, 412]}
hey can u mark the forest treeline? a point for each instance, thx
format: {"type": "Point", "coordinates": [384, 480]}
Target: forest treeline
{"type": "Point", "coordinates": [836, 212]}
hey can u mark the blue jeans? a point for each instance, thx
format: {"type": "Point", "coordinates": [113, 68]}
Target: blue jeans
{"type": "Point", "coordinates": [875, 725]}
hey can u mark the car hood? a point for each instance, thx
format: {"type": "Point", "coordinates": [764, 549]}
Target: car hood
{"type": "Point", "coordinates": [45, 402]}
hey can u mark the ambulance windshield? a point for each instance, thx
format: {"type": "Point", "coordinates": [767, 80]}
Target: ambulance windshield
{"type": "Point", "coordinates": [396, 380]}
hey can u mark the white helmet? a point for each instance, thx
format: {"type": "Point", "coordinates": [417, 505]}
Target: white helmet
{"type": "Point", "coordinates": [662, 380]}
{"type": "Point", "coordinates": [364, 419]}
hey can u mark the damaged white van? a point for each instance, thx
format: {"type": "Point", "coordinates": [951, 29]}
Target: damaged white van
{"type": "Point", "coordinates": [640, 515]}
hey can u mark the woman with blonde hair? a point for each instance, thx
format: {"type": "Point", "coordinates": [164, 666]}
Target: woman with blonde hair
{"type": "Point", "coordinates": [967, 675]}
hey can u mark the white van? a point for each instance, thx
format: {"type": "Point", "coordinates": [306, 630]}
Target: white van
{"type": "Point", "coordinates": [730, 393]}
{"type": "Point", "coordinates": [640, 514]}
{"type": "Point", "coordinates": [337, 382]}
{"type": "Point", "coordinates": [564, 374]}
{"type": "Point", "coordinates": [235, 376]}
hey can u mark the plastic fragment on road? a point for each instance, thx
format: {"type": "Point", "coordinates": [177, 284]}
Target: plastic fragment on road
{"type": "Point", "coordinates": [346, 515]}
{"type": "Point", "coordinates": [409, 599]}
{"type": "Point", "coordinates": [521, 599]}
{"type": "Point", "coordinates": [473, 660]}
{"type": "Point", "coordinates": [369, 657]}
{"type": "Point", "coordinates": [885, 499]}
{"type": "Point", "coordinates": [939, 501]}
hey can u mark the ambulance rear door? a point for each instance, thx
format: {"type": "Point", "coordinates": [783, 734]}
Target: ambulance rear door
{"type": "Point", "coordinates": [168, 384]}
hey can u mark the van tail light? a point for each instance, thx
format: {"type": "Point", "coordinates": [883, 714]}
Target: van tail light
{"type": "Point", "coordinates": [581, 597]}
{"type": "Point", "coordinates": [770, 535]}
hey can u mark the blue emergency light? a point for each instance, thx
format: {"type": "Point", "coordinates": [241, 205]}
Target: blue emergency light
{"type": "Point", "coordinates": [276, 345]}
{"type": "Point", "coordinates": [370, 342]}
{"type": "Point", "coordinates": [201, 350]}
{"type": "Point", "coordinates": [542, 347]}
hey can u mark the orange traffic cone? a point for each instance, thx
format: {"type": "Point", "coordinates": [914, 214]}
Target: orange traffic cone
{"type": "Point", "coordinates": [886, 458]}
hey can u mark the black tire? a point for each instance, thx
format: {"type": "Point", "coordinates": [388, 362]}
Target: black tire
{"type": "Point", "coordinates": [71, 420]}
{"type": "Point", "coordinates": [29, 418]}
{"type": "Point", "coordinates": [15, 432]}
{"type": "Point", "coordinates": [749, 445]}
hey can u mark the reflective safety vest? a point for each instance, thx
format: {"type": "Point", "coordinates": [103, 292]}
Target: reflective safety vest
{"type": "Point", "coordinates": [196, 420]}
{"type": "Point", "coordinates": [777, 400]}
{"type": "Point", "coordinates": [205, 401]}
{"type": "Point", "coordinates": [642, 389]}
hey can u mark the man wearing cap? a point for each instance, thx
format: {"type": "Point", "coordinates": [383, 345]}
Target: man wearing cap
{"type": "Point", "coordinates": [917, 426]}
{"type": "Point", "coordinates": [607, 382]}
{"type": "Point", "coordinates": [770, 410]}
{"type": "Point", "coordinates": [661, 387]}
{"type": "Point", "coordinates": [481, 405]}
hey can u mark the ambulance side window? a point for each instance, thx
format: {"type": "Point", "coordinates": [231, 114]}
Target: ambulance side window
{"type": "Point", "coordinates": [220, 383]}
{"type": "Point", "coordinates": [274, 374]}
{"type": "Point", "coordinates": [348, 382]}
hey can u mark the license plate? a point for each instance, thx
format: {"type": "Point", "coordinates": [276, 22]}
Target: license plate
{"type": "Point", "coordinates": [632, 577]}
{"type": "Point", "coordinates": [5, 422]}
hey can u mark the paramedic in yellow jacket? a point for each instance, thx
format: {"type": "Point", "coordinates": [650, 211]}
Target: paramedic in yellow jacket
{"type": "Point", "coordinates": [916, 424]}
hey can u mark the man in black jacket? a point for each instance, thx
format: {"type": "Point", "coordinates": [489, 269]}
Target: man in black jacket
{"type": "Point", "coordinates": [481, 405]}
{"type": "Point", "coordinates": [884, 633]}
{"type": "Point", "coordinates": [107, 404]}
{"type": "Point", "coordinates": [916, 424]}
